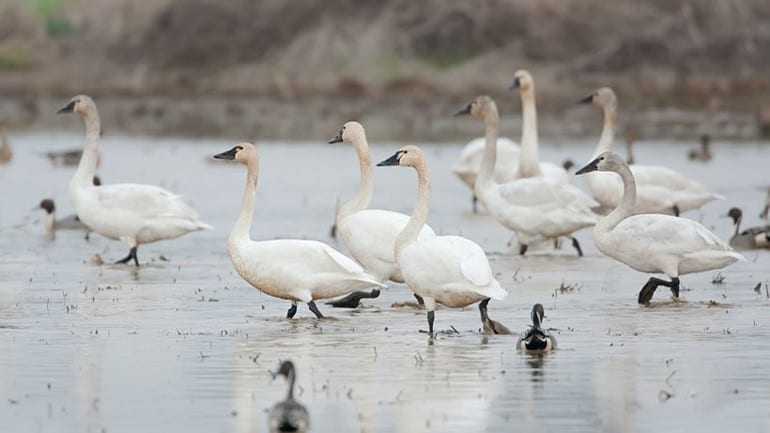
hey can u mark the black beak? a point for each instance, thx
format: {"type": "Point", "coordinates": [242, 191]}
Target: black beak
{"type": "Point", "coordinates": [592, 166]}
{"type": "Point", "coordinates": [229, 155]}
{"type": "Point", "coordinates": [68, 109]}
{"type": "Point", "coordinates": [516, 84]}
{"type": "Point", "coordinates": [587, 100]}
{"type": "Point", "coordinates": [393, 160]}
{"type": "Point", "coordinates": [465, 111]}
{"type": "Point", "coordinates": [337, 138]}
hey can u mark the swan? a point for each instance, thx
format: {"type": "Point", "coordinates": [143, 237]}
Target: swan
{"type": "Point", "coordinates": [6, 154]}
{"type": "Point", "coordinates": [529, 165]}
{"type": "Point", "coordinates": [660, 189]}
{"type": "Point", "coordinates": [468, 165]}
{"type": "Point", "coordinates": [704, 153]}
{"type": "Point", "coordinates": [133, 213]}
{"type": "Point", "coordinates": [654, 243]}
{"type": "Point", "coordinates": [536, 208]}
{"type": "Point", "coordinates": [291, 269]}
{"type": "Point", "coordinates": [630, 142]}
{"type": "Point", "coordinates": [749, 239]}
{"type": "Point", "coordinates": [449, 270]}
{"type": "Point", "coordinates": [369, 234]}
{"type": "Point", "coordinates": [288, 415]}
{"type": "Point", "coordinates": [536, 339]}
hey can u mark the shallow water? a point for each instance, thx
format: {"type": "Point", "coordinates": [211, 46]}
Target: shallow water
{"type": "Point", "coordinates": [184, 345]}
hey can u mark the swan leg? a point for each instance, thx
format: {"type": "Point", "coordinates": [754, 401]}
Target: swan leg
{"type": "Point", "coordinates": [431, 317]}
{"type": "Point", "coordinates": [475, 204]}
{"type": "Point", "coordinates": [333, 231]}
{"type": "Point", "coordinates": [483, 310]}
{"type": "Point", "coordinates": [676, 210]}
{"type": "Point", "coordinates": [314, 308]}
{"type": "Point", "coordinates": [131, 255]}
{"type": "Point", "coordinates": [645, 295]}
{"type": "Point", "coordinates": [88, 235]}
{"type": "Point", "coordinates": [420, 301]}
{"type": "Point", "coordinates": [576, 244]}
{"type": "Point", "coordinates": [490, 326]}
{"type": "Point", "coordinates": [292, 310]}
{"type": "Point", "coordinates": [352, 300]}
{"type": "Point", "coordinates": [675, 286]}
{"type": "Point", "coordinates": [523, 249]}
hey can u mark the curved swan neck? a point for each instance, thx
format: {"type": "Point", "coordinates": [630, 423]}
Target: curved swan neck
{"type": "Point", "coordinates": [608, 130]}
{"type": "Point", "coordinates": [243, 224]}
{"type": "Point", "coordinates": [366, 187]}
{"type": "Point", "coordinates": [738, 225]}
{"type": "Point", "coordinates": [487, 171]}
{"type": "Point", "coordinates": [529, 165]}
{"type": "Point", "coordinates": [420, 214]}
{"type": "Point", "coordinates": [627, 204]}
{"type": "Point", "coordinates": [90, 158]}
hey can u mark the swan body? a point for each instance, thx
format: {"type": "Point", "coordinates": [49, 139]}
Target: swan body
{"type": "Point", "coordinates": [290, 269]}
{"type": "Point", "coordinates": [370, 234]}
{"type": "Point", "coordinates": [749, 239]}
{"type": "Point", "coordinates": [659, 189]}
{"type": "Point", "coordinates": [449, 270]}
{"type": "Point", "coordinates": [469, 163]}
{"type": "Point", "coordinates": [536, 339]}
{"type": "Point", "coordinates": [536, 208]}
{"type": "Point", "coordinates": [654, 243]}
{"type": "Point", "coordinates": [133, 213]}
{"type": "Point", "coordinates": [288, 415]}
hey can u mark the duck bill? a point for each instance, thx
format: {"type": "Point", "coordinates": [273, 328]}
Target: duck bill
{"type": "Point", "coordinates": [69, 108]}
{"type": "Point", "coordinates": [591, 166]}
{"type": "Point", "coordinates": [229, 155]}
{"type": "Point", "coordinates": [393, 160]}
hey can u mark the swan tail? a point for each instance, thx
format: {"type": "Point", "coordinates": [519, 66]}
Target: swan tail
{"type": "Point", "coordinates": [203, 226]}
{"type": "Point", "coordinates": [495, 291]}
{"type": "Point", "coordinates": [715, 196]}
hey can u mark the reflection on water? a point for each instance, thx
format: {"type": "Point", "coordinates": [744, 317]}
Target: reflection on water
{"type": "Point", "coordinates": [185, 345]}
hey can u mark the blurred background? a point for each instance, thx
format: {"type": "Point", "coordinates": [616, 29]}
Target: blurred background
{"type": "Point", "coordinates": [298, 69]}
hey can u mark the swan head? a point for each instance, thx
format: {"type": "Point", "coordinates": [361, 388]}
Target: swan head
{"type": "Point", "coordinates": [481, 108]}
{"type": "Point", "coordinates": [523, 81]}
{"type": "Point", "coordinates": [350, 132]}
{"type": "Point", "coordinates": [603, 97]}
{"type": "Point", "coordinates": [81, 104]}
{"type": "Point", "coordinates": [407, 156]}
{"type": "Point", "coordinates": [286, 369]}
{"type": "Point", "coordinates": [736, 214]}
{"type": "Point", "coordinates": [538, 314]}
{"type": "Point", "coordinates": [48, 206]}
{"type": "Point", "coordinates": [606, 161]}
{"type": "Point", "coordinates": [242, 152]}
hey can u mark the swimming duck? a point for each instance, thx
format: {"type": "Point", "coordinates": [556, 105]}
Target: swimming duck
{"type": "Point", "coordinates": [288, 415]}
{"type": "Point", "coordinates": [749, 239]}
{"type": "Point", "coordinates": [536, 339]}
{"type": "Point", "coordinates": [704, 153]}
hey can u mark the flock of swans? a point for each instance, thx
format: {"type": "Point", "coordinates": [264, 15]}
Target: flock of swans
{"type": "Point", "coordinates": [632, 209]}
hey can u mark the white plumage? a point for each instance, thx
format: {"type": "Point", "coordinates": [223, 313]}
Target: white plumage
{"type": "Point", "coordinates": [469, 163]}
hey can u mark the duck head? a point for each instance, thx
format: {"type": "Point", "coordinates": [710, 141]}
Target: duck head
{"type": "Point", "coordinates": [538, 314]}
{"type": "Point", "coordinates": [736, 214]}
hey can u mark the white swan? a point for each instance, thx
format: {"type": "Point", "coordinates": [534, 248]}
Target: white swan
{"type": "Point", "coordinates": [449, 270]}
{"type": "Point", "coordinates": [660, 189]}
{"type": "Point", "coordinates": [370, 234]}
{"type": "Point", "coordinates": [291, 269]}
{"type": "Point", "coordinates": [536, 208]}
{"type": "Point", "coordinates": [133, 213]}
{"type": "Point", "coordinates": [654, 243]}
{"type": "Point", "coordinates": [469, 163]}
{"type": "Point", "coordinates": [529, 164]}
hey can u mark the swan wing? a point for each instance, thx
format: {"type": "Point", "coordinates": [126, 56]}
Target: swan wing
{"type": "Point", "coordinates": [666, 234]}
{"type": "Point", "coordinates": [342, 260]}
{"type": "Point", "coordinates": [144, 201]}
{"type": "Point", "coordinates": [664, 177]}
{"type": "Point", "coordinates": [554, 172]}
{"type": "Point", "coordinates": [546, 194]}
{"type": "Point", "coordinates": [374, 232]}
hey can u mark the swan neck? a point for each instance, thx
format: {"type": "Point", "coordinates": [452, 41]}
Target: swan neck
{"type": "Point", "coordinates": [366, 186]}
{"type": "Point", "coordinates": [487, 171]}
{"type": "Point", "coordinates": [529, 165]}
{"type": "Point", "coordinates": [608, 131]}
{"type": "Point", "coordinates": [292, 377]}
{"type": "Point", "coordinates": [243, 224]}
{"type": "Point", "coordinates": [627, 204]}
{"type": "Point", "coordinates": [90, 159]}
{"type": "Point", "coordinates": [420, 214]}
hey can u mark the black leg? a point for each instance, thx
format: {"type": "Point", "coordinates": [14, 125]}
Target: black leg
{"type": "Point", "coordinates": [556, 244]}
{"type": "Point", "coordinates": [483, 310]}
{"type": "Point", "coordinates": [675, 286]}
{"type": "Point", "coordinates": [420, 301]}
{"type": "Point", "coordinates": [131, 255]}
{"type": "Point", "coordinates": [352, 300]}
{"type": "Point", "coordinates": [292, 311]}
{"type": "Point", "coordinates": [645, 295]}
{"type": "Point", "coordinates": [522, 249]}
{"type": "Point", "coordinates": [475, 203]}
{"type": "Point", "coordinates": [576, 244]}
{"type": "Point", "coordinates": [88, 235]}
{"type": "Point", "coordinates": [333, 231]}
{"type": "Point", "coordinates": [431, 317]}
{"type": "Point", "coordinates": [676, 210]}
{"type": "Point", "coordinates": [315, 310]}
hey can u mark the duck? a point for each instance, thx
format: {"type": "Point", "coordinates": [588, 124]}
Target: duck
{"type": "Point", "coordinates": [6, 153]}
{"type": "Point", "coordinates": [529, 164]}
{"type": "Point", "coordinates": [449, 270]}
{"type": "Point", "coordinates": [654, 243]}
{"type": "Point", "coordinates": [135, 214]}
{"type": "Point", "coordinates": [749, 239]}
{"type": "Point", "coordinates": [369, 234]}
{"type": "Point", "coordinates": [765, 214]}
{"type": "Point", "coordinates": [70, 222]}
{"type": "Point", "coordinates": [288, 415]}
{"type": "Point", "coordinates": [660, 189]}
{"type": "Point", "coordinates": [536, 339]}
{"type": "Point", "coordinates": [704, 153]}
{"type": "Point", "coordinates": [536, 208]}
{"type": "Point", "coordinates": [294, 270]}
{"type": "Point", "coordinates": [469, 163]}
